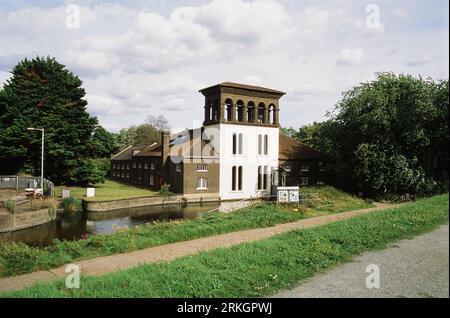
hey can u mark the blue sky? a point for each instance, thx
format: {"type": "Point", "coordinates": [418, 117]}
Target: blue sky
{"type": "Point", "coordinates": [150, 57]}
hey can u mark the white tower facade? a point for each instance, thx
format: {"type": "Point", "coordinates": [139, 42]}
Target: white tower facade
{"type": "Point", "coordinates": [242, 122]}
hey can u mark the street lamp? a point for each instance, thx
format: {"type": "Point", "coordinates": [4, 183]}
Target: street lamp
{"type": "Point", "coordinates": [42, 156]}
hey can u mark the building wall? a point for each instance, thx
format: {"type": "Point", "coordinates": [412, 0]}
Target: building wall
{"type": "Point", "coordinates": [175, 178]}
{"type": "Point", "coordinates": [222, 139]}
{"type": "Point", "coordinates": [191, 174]}
{"type": "Point", "coordinates": [317, 174]}
{"type": "Point", "coordinates": [137, 171]}
{"type": "Point", "coordinates": [121, 170]}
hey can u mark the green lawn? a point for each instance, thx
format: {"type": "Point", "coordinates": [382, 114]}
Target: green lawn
{"type": "Point", "coordinates": [18, 258]}
{"type": "Point", "coordinates": [110, 190]}
{"type": "Point", "coordinates": [260, 268]}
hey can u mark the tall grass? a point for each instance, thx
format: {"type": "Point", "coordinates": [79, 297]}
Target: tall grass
{"type": "Point", "coordinates": [11, 206]}
{"type": "Point", "coordinates": [18, 258]}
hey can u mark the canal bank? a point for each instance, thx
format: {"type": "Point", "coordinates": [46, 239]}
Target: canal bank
{"type": "Point", "coordinates": [90, 205]}
{"type": "Point", "coordinates": [22, 220]}
{"type": "Point", "coordinates": [79, 225]}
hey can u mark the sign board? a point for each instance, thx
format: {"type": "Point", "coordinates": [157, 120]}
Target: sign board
{"type": "Point", "coordinates": [283, 196]}
{"type": "Point", "coordinates": [288, 194]}
{"type": "Point", "coordinates": [65, 193]}
{"type": "Point", "coordinates": [90, 192]}
{"type": "Point", "coordinates": [293, 196]}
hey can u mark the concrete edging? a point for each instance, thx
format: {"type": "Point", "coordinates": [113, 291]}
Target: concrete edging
{"type": "Point", "coordinates": [111, 205]}
{"type": "Point", "coordinates": [24, 220]}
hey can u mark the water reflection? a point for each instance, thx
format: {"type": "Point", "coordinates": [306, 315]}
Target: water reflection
{"type": "Point", "coordinates": [75, 225]}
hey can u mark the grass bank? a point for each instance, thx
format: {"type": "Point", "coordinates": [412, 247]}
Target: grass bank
{"type": "Point", "coordinates": [17, 258]}
{"type": "Point", "coordinates": [260, 268]}
{"type": "Point", "coordinates": [110, 190]}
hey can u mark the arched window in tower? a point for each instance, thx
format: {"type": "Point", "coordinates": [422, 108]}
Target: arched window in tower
{"type": "Point", "coordinates": [261, 111]}
{"type": "Point", "coordinates": [266, 145]}
{"type": "Point", "coordinates": [260, 145]}
{"type": "Point", "coordinates": [241, 144]}
{"type": "Point", "coordinates": [234, 144]}
{"type": "Point", "coordinates": [260, 176]}
{"type": "Point", "coordinates": [240, 110]}
{"type": "Point", "coordinates": [228, 109]}
{"type": "Point", "coordinates": [215, 110]}
{"type": "Point", "coordinates": [208, 107]}
{"type": "Point", "coordinates": [266, 178]}
{"type": "Point", "coordinates": [240, 175]}
{"type": "Point", "coordinates": [251, 109]}
{"type": "Point", "coordinates": [272, 114]}
{"type": "Point", "coordinates": [233, 178]}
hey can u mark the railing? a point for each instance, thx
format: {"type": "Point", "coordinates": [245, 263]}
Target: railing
{"type": "Point", "coordinates": [23, 182]}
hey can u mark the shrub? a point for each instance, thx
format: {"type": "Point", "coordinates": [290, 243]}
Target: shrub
{"type": "Point", "coordinates": [165, 190]}
{"type": "Point", "coordinates": [72, 205]}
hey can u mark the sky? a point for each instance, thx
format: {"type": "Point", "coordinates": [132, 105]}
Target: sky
{"type": "Point", "coordinates": [151, 57]}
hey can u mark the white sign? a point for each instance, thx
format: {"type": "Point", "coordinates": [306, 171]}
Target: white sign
{"type": "Point", "coordinates": [288, 194]}
{"type": "Point", "coordinates": [90, 192]}
{"type": "Point", "coordinates": [65, 193]}
{"type": "Point", "coordinates": [283, 196]}
{"type": "Point", "coordinates": [293, 196]}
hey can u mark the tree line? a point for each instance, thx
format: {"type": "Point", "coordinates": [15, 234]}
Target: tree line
{"type": "Point", "coordinates": [386, 137]}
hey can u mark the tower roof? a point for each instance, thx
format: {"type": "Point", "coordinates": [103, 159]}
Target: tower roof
{"type": "Point", "coordinates": [244, 86]}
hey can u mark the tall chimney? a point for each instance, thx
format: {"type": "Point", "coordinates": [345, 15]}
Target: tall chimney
{"type": "Point", "coordinates": [165, 147]}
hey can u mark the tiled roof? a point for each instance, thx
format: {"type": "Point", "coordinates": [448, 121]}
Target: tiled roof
{"type": "Point", "coordinates": [192, 143]}
{"type": "Point", "coordinates": [246, 86]}
{"type": "Point", "coordinates": [127, 153]}
{"type": "Point", "coordinates": [153, 150]}
{"type": "Point", "coordinates": [291, 149]}
{"type": "Point", "coordinates": [187, 143]}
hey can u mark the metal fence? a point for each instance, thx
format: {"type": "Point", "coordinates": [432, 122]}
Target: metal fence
{"type": "Point", "coordinates": [21, 182]}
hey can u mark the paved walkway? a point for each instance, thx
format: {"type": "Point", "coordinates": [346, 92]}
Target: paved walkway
{"type": "Point", "coordinates": [107, 264]}
{"type": "Point", "coordinates": [410, 268]}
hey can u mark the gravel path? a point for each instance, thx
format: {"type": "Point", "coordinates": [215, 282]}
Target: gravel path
{"type": "Point", "coordinates": [409, 268]}
{"type": "Point", "coordinates": [107, 264]}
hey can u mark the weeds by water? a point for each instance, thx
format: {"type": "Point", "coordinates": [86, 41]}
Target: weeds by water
{"type": "Point", "coordinates": [18, 258]}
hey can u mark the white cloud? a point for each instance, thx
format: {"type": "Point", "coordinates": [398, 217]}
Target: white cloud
{"type": "Point", "coordinates": [137, 60]}
{"type": "Point", "coordinates": [351, 57]}
{"type": "Point", "coordinates": [422, 59]}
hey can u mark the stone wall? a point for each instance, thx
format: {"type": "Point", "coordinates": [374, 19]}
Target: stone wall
{"type": "Point", "coordinates": [12, 222]}
{"type": "Point", "coordinates": [92, 206]}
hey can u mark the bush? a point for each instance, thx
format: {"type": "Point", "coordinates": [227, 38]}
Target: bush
{"type": "Point", "coordinates": [18, 258]}
{"type": "Point", "coordinates": [165, 190]}
{"type": "Point", "coordinates": [72, 205]}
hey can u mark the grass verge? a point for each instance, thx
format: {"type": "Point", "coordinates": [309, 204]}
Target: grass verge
{"type": "Point", "coordinates": [260, 268]}
{"type": "Point", "coordinates": [18, 258]}
{"type": "Point", "coordinates": [110, 190]}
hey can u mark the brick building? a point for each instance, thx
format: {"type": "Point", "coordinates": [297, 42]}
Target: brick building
{"type": "Point", "coordinates": [237, 153]}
